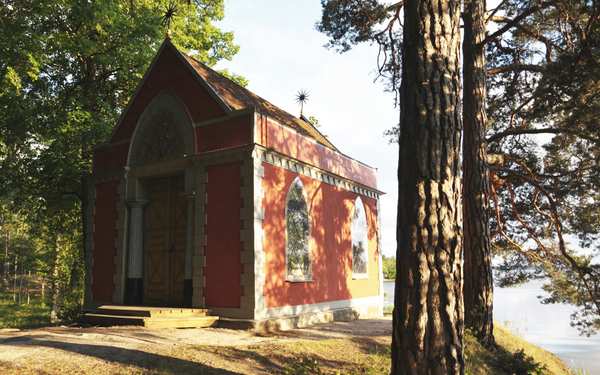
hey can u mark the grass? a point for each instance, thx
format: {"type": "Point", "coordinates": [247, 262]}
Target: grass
{"type": "Point", "coordinates": [365, 356]}
{"type": "Point", "coordinates": [314, 354]}
{"type": "Point", "coordinates": [13, 315]}
{"type": "Point", "coordinates": [370, 356]}
{"type": "Point", "coordinates": [514, 355]}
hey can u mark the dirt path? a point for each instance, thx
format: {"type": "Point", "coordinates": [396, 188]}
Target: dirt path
{"type": "Point", "coordinates": [204, 351]}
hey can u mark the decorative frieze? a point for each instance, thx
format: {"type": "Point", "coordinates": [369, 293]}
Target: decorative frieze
{"type": "Point", "coordinates": [297, 166]}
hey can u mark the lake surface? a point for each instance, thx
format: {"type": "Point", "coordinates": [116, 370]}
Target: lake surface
{"type": "Point", "coordinates": [544, 325]}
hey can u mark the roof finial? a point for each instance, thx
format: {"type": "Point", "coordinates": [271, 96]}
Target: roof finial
{"type": "Point", "coordinates": [168, 17]}
{"type": "Point", "coordinates": [302, 97]}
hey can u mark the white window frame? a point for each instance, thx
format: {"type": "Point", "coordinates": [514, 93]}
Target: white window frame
{"type": "Point", "coordinates": [288, 277]}
{"type": "Point", "coordinates": [362, 275]}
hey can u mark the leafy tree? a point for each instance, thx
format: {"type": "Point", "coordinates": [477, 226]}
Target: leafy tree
{"type": "Point", "coordinates": [68, 69]}
{"type": "Point", "coordinates": [389, 267]}
{"type": "Point", "coordinates": [543, 77]}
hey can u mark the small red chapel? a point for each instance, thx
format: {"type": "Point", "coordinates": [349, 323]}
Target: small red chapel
{"type": "Point", "coordinates": [209, 196]}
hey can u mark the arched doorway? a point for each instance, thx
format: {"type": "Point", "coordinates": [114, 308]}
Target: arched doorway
{"type": "Point", "coordinates": [160, 197]}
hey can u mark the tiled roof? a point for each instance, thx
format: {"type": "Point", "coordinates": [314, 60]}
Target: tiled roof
{"type": "Point", "coordinates": [238, 97]}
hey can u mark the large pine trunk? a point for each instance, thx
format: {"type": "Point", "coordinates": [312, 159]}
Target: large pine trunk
{"type": "Point", "coordinates": [478, 282]}
{"type": "Point", "coordinates": [428, 314]}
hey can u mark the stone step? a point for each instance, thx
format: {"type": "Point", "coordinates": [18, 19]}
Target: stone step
{"type": "Point", "coordinates": [145, 311]}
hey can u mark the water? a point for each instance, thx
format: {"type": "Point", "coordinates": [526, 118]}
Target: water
{"type": "Point", "coordinates": [544, 325]}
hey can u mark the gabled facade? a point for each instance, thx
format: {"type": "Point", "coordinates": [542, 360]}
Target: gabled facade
{"type": "Point", "coordinates": [209, 196]}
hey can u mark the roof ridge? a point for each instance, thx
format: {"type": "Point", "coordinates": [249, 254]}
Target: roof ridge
{"type": "Point", "coordinates": [256, 102]}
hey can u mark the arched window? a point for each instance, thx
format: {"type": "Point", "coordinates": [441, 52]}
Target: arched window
{"type": "Point", "coordinates": [297, 234]}
{"type": "Point", "coordinates": [359, 240]}
{"type": "Point", "coordinates": [164, 132]}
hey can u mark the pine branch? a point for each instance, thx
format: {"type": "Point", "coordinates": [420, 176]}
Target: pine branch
{"type": "Point", "coordinates": [515, 21]}
{"type": "Point", "coordinates": [516, 68]}
{"type": "Point", "coordinates": [520, 131]}
{"type": "Point", "coordinates": [535, 35]}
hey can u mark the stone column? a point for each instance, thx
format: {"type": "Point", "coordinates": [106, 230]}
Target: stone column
{"type": "Point", "coordinates": [134, 285]}
{"type": "Point", "coordinates": [189, 245]}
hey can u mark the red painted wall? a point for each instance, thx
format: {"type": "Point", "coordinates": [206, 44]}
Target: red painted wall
{"type": "Point", "coordinates": [226, 134]}
{"type": "Point", "coordinates": [330, 211]}
{"type": "Point", "coordinates": [104, 236]}
{"type": "Point", "coordinates": [288, 142]}
{"type": "Point", "coordinates": [223, 261]}
{"type": "Point", "coordinates": [110, 157]}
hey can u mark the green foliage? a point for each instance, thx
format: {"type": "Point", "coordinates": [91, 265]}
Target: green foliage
{"type": "Point", "coordinates": [545, 79]}
{"type": "Point", "coordinates": [518, 363]}
{"type": "Point", "coordinates": [314, 121]}
{"type": "Point", "coordinates": [13, 315]}
{"type": "Point", "coordinates": [389, 268]}
{"type": "Point", "coordinates": [511, 355]}
{"type": "Point", "coordinates": [67, 70]}
{"type": "Point", "coordinates": [348, 22]}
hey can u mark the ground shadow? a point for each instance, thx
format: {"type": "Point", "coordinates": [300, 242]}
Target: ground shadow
{"type": "Point", "coordinates": [288, 363]}
{"type": "Point", "coordinates": [129, 357]}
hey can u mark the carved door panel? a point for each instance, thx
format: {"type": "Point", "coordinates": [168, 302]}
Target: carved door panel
{"type": "Point", "coordinates": [164, 242]}
{"type": "Point", "coordinates": [177, 243]}
{"type": "Point", "coordinates": [156, 240]}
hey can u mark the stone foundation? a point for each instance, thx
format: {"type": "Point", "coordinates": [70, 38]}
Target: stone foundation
{"type": "Point", "coordinates": [302, 320]}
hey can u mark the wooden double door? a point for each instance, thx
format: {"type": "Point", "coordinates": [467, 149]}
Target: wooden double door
{"type": "Point", "coordinates": [165, 223]}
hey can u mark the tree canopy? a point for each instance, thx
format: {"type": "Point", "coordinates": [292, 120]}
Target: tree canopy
{"type": "Point", "coordinates": [67, 70]}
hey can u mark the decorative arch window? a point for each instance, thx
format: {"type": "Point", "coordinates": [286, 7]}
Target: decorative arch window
{"type": "Point", "coordinates": [164, 132]}
{"type": "Point", "coordinates": [297, 254]}
{"type": "Point", "coordinates": [359, 240]}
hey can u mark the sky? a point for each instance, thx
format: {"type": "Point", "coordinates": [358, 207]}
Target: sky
{"type": "Point", "coordinates": [281, 53]}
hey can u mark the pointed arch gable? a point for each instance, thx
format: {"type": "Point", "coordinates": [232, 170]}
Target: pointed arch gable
{"type": "Point", "coordinates": [170, 71]}
{"type": "Point", "coordinates": [164, 131]}
{"type": "Point", "coordinates": [297, 245]}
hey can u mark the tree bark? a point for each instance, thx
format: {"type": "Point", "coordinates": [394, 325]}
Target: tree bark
{"type": "Point", "coordinates": [478, 281]}
{"type": "Point", "coordinates": [428, 315]}
{"type": "Point", "coordinates": [15, 279]}
{"type": "Point", "coordinates": [7, 259]}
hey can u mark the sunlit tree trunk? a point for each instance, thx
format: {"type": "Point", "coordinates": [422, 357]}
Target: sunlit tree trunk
{"type": "Point", "coordinates": [478, 281]}
{"type": "Point", "coordinates": [428, 314]}
{"type": "Point", "coordinates": [55, 284]}
{"type": "Point", "coordinates": [7, 259]}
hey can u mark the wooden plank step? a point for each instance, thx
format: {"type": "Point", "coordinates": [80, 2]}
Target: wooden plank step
{"type": "Point", "coordinates": [143, 311]}
{"type": "Point", "coordinates": [112, 320]}
{"type": "Point", "coordinates": [191, 322]}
